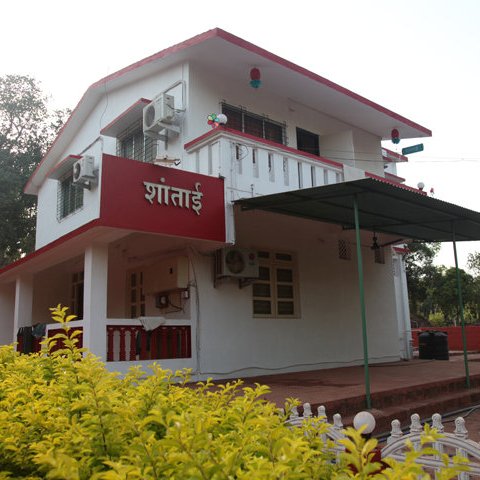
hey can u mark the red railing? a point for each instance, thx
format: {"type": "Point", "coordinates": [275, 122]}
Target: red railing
{"type": "Point", "coordinates": [60, 344]}
{"type": "Point", "coordinates": [28, 343]}
{"type": "Point", "coordinates": [128, 343]}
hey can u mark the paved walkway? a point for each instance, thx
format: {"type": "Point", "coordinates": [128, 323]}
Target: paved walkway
{"type": "Point", "coordinates": [344, 384]}
{"type": "Point", "coordinates": [321, 386]}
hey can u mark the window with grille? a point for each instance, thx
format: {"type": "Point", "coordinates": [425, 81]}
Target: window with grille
{"type": "Point", "coordinates": [69, 197]}
{"type": "Point", "coordinates": [344, 250]}
{"type": "Point", "coordinates": [133, 144]}
{"type": "Point", "coordinates": [253, 124]}
{"type": "Point", "coordinates": [76, 300]}
{"type": "Point", "coordinates": [275, 291]}
{"type": "Point", "coordinates": [135, 295]}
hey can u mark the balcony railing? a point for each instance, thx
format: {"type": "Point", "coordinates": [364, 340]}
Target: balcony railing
{"type": "Point", "coordinates": [29, 338]}
{"type": "Point", "coordinates": [131, 342]}
{"type": "Point", "coordinates": [255, 166]}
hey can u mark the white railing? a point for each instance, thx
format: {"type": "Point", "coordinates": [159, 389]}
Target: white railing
{"type": "Point", "coordinates": [398, 444]}
{"type": "Point", "coordinates": [255, 167]}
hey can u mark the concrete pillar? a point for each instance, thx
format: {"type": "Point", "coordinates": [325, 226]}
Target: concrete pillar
{"type": "Point", "coordinates": [7, 313]}
{"type": "Point", "coordinates": [402, 307]}
{"type": "Point", "coordinates": [22, 316]}
{"type": "Point", "coordinates": [95, 300]}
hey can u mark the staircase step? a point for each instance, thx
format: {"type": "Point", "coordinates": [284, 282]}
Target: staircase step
{"type": "Point", "coordinates": [438, 397]}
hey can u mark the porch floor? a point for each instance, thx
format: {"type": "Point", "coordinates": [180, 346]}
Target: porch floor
{"type": "Point", "coordinates": [398, 389]}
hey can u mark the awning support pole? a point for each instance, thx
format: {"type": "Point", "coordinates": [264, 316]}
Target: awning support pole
{"type": "Point", "coordinates": [362, 303]}
{"type": "Point", "coordinates": [460, 307]}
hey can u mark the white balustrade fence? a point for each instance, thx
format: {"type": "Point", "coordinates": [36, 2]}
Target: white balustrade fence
{"type": "Point", "coordinates": [398, 444]}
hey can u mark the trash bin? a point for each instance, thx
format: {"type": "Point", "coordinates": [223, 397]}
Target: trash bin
{"type": "Point", "coordinates": [425, 346]}
{"type": "Point", "coordinates": [440, 346]}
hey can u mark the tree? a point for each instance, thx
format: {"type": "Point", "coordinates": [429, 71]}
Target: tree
{"type": "Point", "coordinates": [27, 127]}
{"type": "Point", "coordinates": [446, 293]}
{"type": "Point", "coordinates": [473, 264]}
{"type": "Point", "coordinates": [421, 277]}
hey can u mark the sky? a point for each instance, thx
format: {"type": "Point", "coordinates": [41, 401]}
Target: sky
{"type": "Point", "coordinates": [419, 58]}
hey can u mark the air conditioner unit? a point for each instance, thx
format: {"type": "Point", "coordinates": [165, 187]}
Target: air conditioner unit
{"type": "Point", "coordinates": [237, 262]}
{"type": "Point", "coordinates": [83, 170]}
{"type": "Point", "coordinates": [160, 111]}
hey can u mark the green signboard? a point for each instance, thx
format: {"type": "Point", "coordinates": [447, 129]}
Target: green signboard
{"type": "Point", "coordinates": [412, 149]}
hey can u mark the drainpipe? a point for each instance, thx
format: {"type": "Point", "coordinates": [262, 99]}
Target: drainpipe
{"type": "Point", "coordinates": [460, 307]}
{"type": "Point", "coordinates": [362, 303]}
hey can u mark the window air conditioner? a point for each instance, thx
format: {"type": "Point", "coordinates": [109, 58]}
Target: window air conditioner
{"type": "Point", "coordinates": [237, 262]}
{"type": "Point", "coordinates": [83, 170]}
{"type": "Point", "coordinates": [160, 111]}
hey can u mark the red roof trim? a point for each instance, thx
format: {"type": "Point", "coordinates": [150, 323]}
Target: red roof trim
{"type": "Point", "coordinates": [60, 164]}
{"type": "Point", "coordinates": [268, 143]}
{"type": "Point", "coordinates": [390, 182]}
{"type": "Point", "coordinates": [52, 245]}
{"type": "Point", "coordinates": [131, 107]}
{"type": "Point", "coordinates": [394, 178]}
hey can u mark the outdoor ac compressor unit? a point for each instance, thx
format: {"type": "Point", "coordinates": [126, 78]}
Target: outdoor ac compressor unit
{"type": "Point", "coordinates": [160, 111]}
{"type": "Point", "coordinates": [237, 262]}
{"type": "Point", "coordinates": [83, 170]}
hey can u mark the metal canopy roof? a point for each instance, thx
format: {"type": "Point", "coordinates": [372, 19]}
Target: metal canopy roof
{"type": "Point", "coordinates": [383, 207]}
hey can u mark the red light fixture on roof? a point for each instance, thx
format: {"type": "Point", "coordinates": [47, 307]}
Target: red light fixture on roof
{"type": "Point", "coordinates": [255, 76]}
{"type": "Point", "coordinates": [395, 136]}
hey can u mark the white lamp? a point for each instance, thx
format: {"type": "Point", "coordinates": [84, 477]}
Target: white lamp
{"type": "Point", "coordinates": [222, 118]}
{"type": "Point", "coordinates": [364, 419]}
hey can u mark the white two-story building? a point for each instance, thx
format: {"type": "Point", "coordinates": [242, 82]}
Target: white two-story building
{"type": "Point", "coordinates": [140, 232]}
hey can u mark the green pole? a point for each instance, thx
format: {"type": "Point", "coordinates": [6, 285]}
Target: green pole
{"type": "Point", "coordinates": [362, 303]}
{"type": "Point", "coordinates": [460, 307]}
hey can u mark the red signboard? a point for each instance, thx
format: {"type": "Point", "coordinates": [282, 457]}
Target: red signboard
{"type": "Point", "coordinates": [151, 198]}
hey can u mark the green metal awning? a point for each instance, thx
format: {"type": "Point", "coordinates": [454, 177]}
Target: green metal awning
{"type": "Point", "coordinates": [383, 207]}
{"type": "Point", "coordinates": [378, 206]}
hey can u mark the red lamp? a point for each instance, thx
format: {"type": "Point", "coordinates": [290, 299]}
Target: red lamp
{"type": "Point", "coordinates": [255, 75]}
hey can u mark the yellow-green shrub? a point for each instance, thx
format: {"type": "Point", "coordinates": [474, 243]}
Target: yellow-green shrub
{"type": "Point", "coordinates": [66, 417]}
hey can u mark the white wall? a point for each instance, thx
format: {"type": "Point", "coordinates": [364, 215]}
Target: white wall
{"type": "Point", "coordinates": [87, 141]}
{"type": "Point", "coordinates": [203, 93]}
{"type": "Point", "coordinates": [338, 141]}
{"type": "Point", "coordinates": [368, 152]}
{"type": "Point", "coordinates": [328, 334]}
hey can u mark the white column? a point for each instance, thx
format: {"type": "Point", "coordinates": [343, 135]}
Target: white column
{"type": "Point", "coordinates": [406, 311]}
{"type": "Point", "coordinates": [95, 300]}
{"type": "Point", "coordinates": [402, 307]}
{"type": "Point", "coordinates": [7, 313]}
{"type": "Point", "coordinates": [22, 316]}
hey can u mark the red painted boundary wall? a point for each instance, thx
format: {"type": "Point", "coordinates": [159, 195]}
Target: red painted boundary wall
{"type": "Point", "coordinates": [454, 336]}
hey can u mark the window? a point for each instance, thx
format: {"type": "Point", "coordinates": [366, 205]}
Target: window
{"type": "Point", "coordinates": [135, 295]}
{"type": "Point", "coordinates": [69, 197]}
{"type": "Point", "coordinates": [133, 144]}
{"type": "Point", "coordinates": [253, 124]}
{"type": "Point", "coordinates": [275, 291]}
{"type": "Point", "coordinates": [344, 250]}
{"type": "Point", "coordinates": [307, 142]}
{"type": "Point", "coordinates": [77, 295]}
